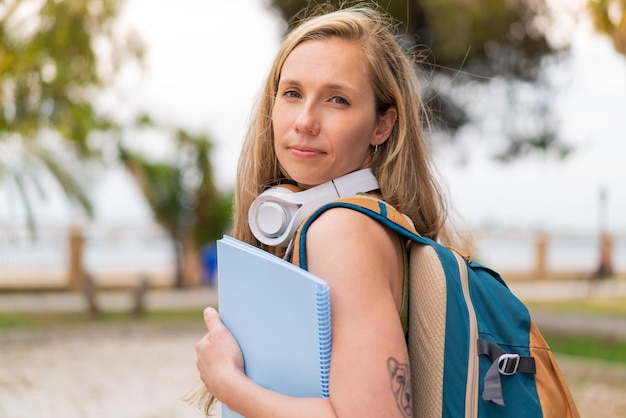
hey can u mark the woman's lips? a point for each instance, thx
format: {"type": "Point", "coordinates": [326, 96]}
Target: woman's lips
{"type": "Point", "coordinates": [300, 151]}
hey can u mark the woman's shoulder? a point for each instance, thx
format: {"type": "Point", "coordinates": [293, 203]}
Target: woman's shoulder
{"type": "Point", "coordinates": [350, 250]}
{"type": "Point", "coordinates": [348, 227]}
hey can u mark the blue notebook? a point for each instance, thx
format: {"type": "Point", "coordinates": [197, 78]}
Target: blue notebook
{"type": "Point", "coordinates": [280, 316]}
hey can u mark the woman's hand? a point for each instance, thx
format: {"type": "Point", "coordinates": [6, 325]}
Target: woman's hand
{"type": "Point", "coordinates": [219, 355]}
{"type": "Point", "coordinates": [220, 364]}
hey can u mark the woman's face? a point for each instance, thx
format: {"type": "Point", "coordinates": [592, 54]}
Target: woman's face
{"type": "Point", "coordinates": [324, 116]}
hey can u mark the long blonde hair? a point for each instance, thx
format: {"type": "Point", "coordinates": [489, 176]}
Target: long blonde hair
{"type": "Point", "coordinates": [402, 164]}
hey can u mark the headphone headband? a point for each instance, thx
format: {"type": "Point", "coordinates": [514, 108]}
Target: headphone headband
{"type": "Point", "coordinates": [275, 215]}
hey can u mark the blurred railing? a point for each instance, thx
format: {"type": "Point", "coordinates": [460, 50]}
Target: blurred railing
{"type": "Point", "coordinates": [126, 256]}
{"type": "Point", "coordinates": [112, 256]}
{"type": "Point", "coordinates": [538, 255]}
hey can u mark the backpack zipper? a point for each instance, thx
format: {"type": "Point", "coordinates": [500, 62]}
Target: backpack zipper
{"type": "Point", "coordinates": [471, 392]}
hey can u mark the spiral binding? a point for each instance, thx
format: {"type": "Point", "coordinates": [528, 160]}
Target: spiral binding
{"type": "Point", "coordinates": [324, 336]}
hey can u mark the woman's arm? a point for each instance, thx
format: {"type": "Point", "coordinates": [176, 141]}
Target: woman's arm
{"type": "Point", "coordinates": [362, 263]}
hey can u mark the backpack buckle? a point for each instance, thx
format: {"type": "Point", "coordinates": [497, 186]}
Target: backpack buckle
{"type": "Point", "coordinates": [508, 364]}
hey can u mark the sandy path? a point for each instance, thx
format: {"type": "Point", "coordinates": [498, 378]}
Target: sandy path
{"type": "Point", "coordinates": [143, 371]}
{"type": "Point", "coordinates": [137, 372]}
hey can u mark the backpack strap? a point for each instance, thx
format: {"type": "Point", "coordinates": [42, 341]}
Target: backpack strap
{"type": "Point", "coordinates": [370, 206]}
{"type": "Point", "coordinates": [504, 364]}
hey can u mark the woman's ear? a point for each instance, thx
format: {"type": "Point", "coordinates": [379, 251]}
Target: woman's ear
{"type": "Point", "coordinates": [385, 125]}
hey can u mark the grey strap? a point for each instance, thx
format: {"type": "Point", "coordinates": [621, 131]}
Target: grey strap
{"type": "Point", "coordinates": [503, 363]}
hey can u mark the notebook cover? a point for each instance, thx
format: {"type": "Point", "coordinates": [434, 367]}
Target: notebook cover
{"type": "Point", "coordinates": [280, 316]}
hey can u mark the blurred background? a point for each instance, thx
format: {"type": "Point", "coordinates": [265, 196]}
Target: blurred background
{"type": "Point", "coordinates": [120, 127]}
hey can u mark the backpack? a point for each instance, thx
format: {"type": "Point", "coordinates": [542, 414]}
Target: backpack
{"type": "Point", "coordinates": [473, 349]}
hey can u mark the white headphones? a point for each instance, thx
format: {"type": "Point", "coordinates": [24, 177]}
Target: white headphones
{"type": "Point", "coordinates": [276, 214]}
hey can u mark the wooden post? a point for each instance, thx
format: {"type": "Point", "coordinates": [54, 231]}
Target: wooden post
{"type": "Point", "coordinates": [139, 297]}
{"type": "Point", "coordinates": [605, 268]}
{"type": "Point", "coordinates": [75, 271]}
{"type": "Point", "coordinates": [541, 249]}
{"type": "Point", "coordinates": [192, 267]}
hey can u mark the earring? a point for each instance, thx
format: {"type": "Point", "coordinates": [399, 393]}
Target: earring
{"type": "Point", "coordinates": [375, 149]}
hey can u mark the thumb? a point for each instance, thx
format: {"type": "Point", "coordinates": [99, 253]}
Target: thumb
{"type": "Point", "coordinates": [211, 318]}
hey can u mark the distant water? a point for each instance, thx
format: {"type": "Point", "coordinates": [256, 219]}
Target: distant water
{"type": "Point", "coordinates": [128, 253]}
{"type": "Point", "coordinates": [147, 251]}
{"type": "Point", "coordinates": [153, 254]}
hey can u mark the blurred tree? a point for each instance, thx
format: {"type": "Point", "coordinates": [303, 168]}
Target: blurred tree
{"type": "Point", "coordinates": [609, 17]}
{"type": "Point", "coordinates": [55, 58]}
{"type": "Point", "coordinates": [477, 42]}
{"type": "Point", "coordinates": [184, 199]}
{"type": "Point", "coordinates": [50, 72]}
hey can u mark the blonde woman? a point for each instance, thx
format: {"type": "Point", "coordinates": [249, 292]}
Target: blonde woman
{"type": "Point", "coordinates": [341, 96]}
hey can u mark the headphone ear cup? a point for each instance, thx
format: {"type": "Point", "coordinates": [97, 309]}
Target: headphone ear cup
{"type": "Point", "coordinates": [270, 215]}
{"type": "Point", "coordinates": [272, 218]}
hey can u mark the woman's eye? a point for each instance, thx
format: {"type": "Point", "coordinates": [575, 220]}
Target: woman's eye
{"type": "Point", "coordinates": [292, 94]}
{"type": "Point", "coordinates": [339, 100]}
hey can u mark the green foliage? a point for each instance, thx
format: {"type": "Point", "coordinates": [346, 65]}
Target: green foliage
{"type": "Point", "coordinates": [597, 348]}
{"type": "Point", "coordinates": [609, 17]}
{"type": "Point", "coordinates": [614, 307]}
{"type": "Point", "coordinates": [487, 37]}
{"type": "Point", "coordinates": [182, 194]}
{"type": "Point", "coordinates": [55, 57]}
{"type": "Point", "coordinates": [589, 346]}
{"type": "Point", "coordinates": [49, 76]}
{"type": "Point", "coordinates": [49, 71]}
{"type": "Point", "coordinates": [34, 321]}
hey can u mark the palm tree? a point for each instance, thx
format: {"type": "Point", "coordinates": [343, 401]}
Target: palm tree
{"type": "Point", "coordinates": [184, 199]}
{"type": "Point", "coordinates": [50, 74]}
{"type": "Point", "coordinates": [48, 80]}
{"type": "Point", "coordinates": [23, 164]}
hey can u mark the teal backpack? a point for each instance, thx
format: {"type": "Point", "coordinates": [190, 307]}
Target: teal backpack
{"type": "Point", "coordinates": [473, 349]}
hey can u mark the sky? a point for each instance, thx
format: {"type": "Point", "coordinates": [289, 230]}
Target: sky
{"type": "Point", "coordinates": [205, 64]}
{"type": "Point", "coordinates": [547, 193]}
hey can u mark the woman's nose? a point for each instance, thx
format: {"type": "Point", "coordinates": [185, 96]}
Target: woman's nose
{"type": "Point", "coordinates": [307, 122]}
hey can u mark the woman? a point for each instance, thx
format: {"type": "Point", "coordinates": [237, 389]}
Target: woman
{"type": "Point", "coordinates": [341, 96]}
